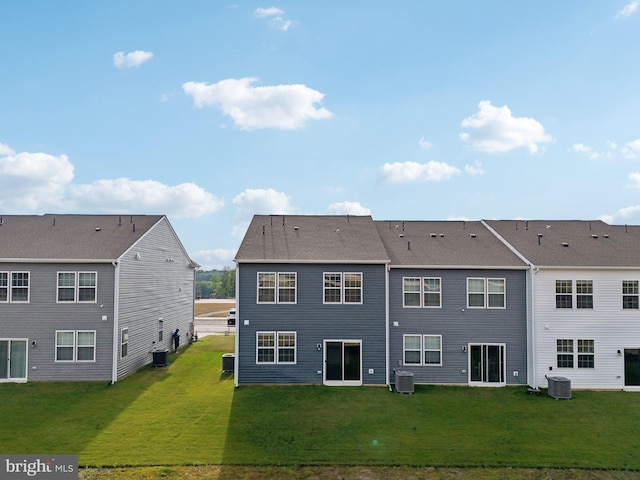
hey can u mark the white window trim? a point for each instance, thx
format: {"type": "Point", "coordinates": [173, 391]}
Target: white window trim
{"type": "Point", "coordinates": [276, 347]}
{"type": "Point", "coordinates": [576, 354]}
{"type": "Point", "coordinates": [76, 287]}
{"type": "Point", "coordinates": [487, 294]}
{"type": "Point", "coordinates": [622, 295]}
{"type": "Point", "coordinates": [10, 287]}
{"type": "Point", "coordinates": [575, 294]}
{"type": "Point", "coordinates": [75, 346]}
{"type": "Point", "coordinates": [422, 292]}
{"type": "Point", "coordinates": [276, 288]}
{"type": "Point", "coordinates": [343, 288]}
{"type": "Point", "coordinates": [422, 350]}
{"type": "Point", "coordinates": [122, 342]}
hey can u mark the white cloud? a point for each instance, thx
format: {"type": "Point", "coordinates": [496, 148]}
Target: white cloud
{"type": "Point", "coordinates": [496, 130]}
{"type": "Point", "coordinates": [635, 178]}
{"type": "Point", "coordinates": [6, 150]}
{"type": "Point", "coordinates": [215, 259]}
{"type": "Point", "coordinates": [258, 201]}
{"type": "Point", "coordinates": [131, 59]}
{"type": "Point", "coordinates": [628, 10]}
{"type": "Point", "coordinates": [424, 144]}
{"type": "Point", "coordinates": [626, 214]}
{"type": "Point", "coordinates": [631, 149]}
{"type": "Point", "coordinates": [186, 200]}
{"type": "Point", "coordinates": [279, 106]}
{"type": "Point", "coordinates": [475, 169]}
{"type": "Point", "coordinates": [32, 183]}
{"type": "Point", "coordinates": [588, 151]}
{"type": "Point", "coordinates": [403, 172]}
{"type": "Point", "coordinates": [348, 208]}
{"type": "Point", "coordinates": [275, 15]}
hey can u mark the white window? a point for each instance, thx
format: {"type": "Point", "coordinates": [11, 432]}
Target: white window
{"type": "Point", "coordinates": [568, 356]}
{"type": "Point", "coordinates": [630, 295]}
{"type": "Point", "coordinates": [160, 330]}
{"type": "Point", "coordinates": [277, 287]}
{"type": "Point", "coordinates": [124, 342]}
{"type": "Point", "coordinates": [342, 287]}
{"type": "Point", "coordinates": [583, 294]}
{"type": "Point", "coordinates": [282, 351]}
{"type": "Point", "coordinates": [14, 287]}
{"type": "Point", "coordinates": [422, 292]}
{"type": "Point", "coordinates": [486, 293]}
{"type": "Point", "coordinates": [422, 350]}
{"type": "Point", "coordinates": [77, 287]}
{"type": "Point", "coordinates": [75, 346]}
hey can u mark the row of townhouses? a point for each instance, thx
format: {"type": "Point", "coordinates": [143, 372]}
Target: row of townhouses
{"type": "Point", "coordinates": [347, 300]}
{"type": "Point", "coordinates": [90, 297]}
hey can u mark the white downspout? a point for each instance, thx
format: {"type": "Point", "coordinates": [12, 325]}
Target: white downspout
{"type": "Point", "coordinates": [116, 309]}
{"type": "Point", "coordinates": [386, 303]}
{"type": "Point", "coordinates": [534, 369]}
{"type": "Point", "coordinates": [237, 349]}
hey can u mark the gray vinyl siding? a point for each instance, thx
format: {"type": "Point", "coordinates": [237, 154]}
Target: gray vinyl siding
{"type": "Point", "coordinates": [313, 323]}
{"type": "Point", "coordinates": [459, 325]}
{"type": "Point", "coordinates": [156, 282]}
{"type": "Point", "coordinates": [40, 318]}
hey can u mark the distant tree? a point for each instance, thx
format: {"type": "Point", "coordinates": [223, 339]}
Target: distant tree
{"type": "Point", "coordinates": [224, 285]}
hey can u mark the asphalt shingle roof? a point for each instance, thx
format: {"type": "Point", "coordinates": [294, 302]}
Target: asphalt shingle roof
{"type": "Point", "coordinates": [71, 237]}
{"type": "Point", "coordinates": [566, 243]}
{"type": "Point", "coordinates": [444, 244]}
{"type": "Point", "coordinates": [312, 238]}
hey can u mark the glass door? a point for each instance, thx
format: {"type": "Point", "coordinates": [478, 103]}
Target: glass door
{"type": "Point", "coordinates": [342, 362]}
{"type": "Point", "coordinates": [13, 360]}
{"type": "Point", "coordinates": [487, 364]}
{"type": "Point", "coordinates": [632, 367]}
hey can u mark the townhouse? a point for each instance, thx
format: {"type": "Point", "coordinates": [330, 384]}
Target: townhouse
{"type": "Point", "coordinates": [344, 300]}
{"type": "Point", "coordinates": [90, 297]}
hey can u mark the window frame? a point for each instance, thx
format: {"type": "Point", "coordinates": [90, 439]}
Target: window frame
{"type": "Point", "coordinates": [4, 286]}
{"type": "Point", "coordinates": [486, 294]}
{"type": "Point", "coordinates": [421, 292]}
{"type": "Point", "coordinates": [631, 298]}
{"type": "Point", "coordinates": [586, 352]}
{"type": "Point", "coordinates": [564, 296]}
{"type": "Point", "coordinates": [75, 346]}
{"type": "Point", "coordinates": [13, 286]}
{"type": "Point", "coordinates": [584, 299]}
{"type": "Point", "coordinates": [421, 350]}
{"type": "Point", "coordinates": [565, 352]}
{"type": "Point", "coordinates": [124, 342]}
{"type": "Point", "coordinates": [78, 290]}
{"type": "Point", "coordinates": [276, 288]}
{"type": "Point", "coordinates": [342, 293]}
{"type": "Point", "coordinates": [275, 347]}
{"type": "Point", "coordinates": [580, 353]}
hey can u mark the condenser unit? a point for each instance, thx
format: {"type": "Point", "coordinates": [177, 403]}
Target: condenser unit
{"type": "Point", "coordinates": [404, 382]}
{"type": "Point", "coordinates": [559, 387]}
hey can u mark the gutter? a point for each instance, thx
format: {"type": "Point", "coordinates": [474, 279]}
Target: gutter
{"type": "Point", "coordinates": [116, 309]}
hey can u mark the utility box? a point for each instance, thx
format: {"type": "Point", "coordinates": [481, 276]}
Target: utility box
{"type": "Point", "coordinates": [228, 362]}
{"type": "Point", "coordinates": [160, 358]}
{"type": "Point", "coordinates": [559, 387]}
{"type": "Point", "coordinates": [404, 382]}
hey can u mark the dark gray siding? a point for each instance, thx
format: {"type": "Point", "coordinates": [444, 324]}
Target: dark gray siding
{"type": "Point", "coordinates": [40, 318]}
{"type": "Point", "coordinates": [156, 282]}
{"type": "Point", "coordinates": [459, 325]}
{"type": "Point", "coordinates": [313, 322]}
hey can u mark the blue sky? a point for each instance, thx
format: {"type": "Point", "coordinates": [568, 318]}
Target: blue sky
{"type": "Point", "coordinates": [210, 112]}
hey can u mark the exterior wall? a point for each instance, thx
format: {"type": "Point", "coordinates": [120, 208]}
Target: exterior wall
{"type": "Point", "coordinates": [458, 325]}
{"type": "Point", "coordinates": [156, 282]}
{"type": "Point", "coordinates": [39, 319]}
{"type": "Point", "coordinates": [611, 327]}
{"type": "Point", "coordinates": [313, 323]}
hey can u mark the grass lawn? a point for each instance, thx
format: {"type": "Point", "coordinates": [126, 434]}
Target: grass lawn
{"type": "Point", "coordinates": [190, 414]}
{"type": "Point", "coordinates": [213, 309]}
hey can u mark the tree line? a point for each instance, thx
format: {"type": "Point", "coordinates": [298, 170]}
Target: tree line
{"type": "Point", "coordinates": [216, 283]}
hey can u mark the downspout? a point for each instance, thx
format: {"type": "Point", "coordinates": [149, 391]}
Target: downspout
{"type": "Point", "coordinates": [116, 309]}
{"type": "Point", "coordinates": [237, 347]}
{"type": "Point", "coordinates": [534, 369]}
{"type": "Point", "coordinates": [386, 307]}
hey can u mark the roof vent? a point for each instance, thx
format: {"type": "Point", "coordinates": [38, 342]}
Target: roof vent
{"type": "Point", "coordinates": [442, 235]}
{"type": "Point", "coordinates": [433, 235]}
{"type": "Point", "coordinates": [605, 235]}
{"type": "Point", "coordinates": [98, 229]}
{"type": "Point", "coordinates": [593, 235]}
{"type": "Point", "coordinates": [337, 230]}
{"type": "Point", "coordinates": [565, 244]}
{"type": "Point", "coordinates": [539, 237]}
{"type": "Point", "coordinates": [472, 235]}
{"type": "Point", "coordinates": [296, 228]}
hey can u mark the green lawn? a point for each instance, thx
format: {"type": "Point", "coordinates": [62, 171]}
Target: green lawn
{"type": "Point", "coordinates": [190, 414]}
